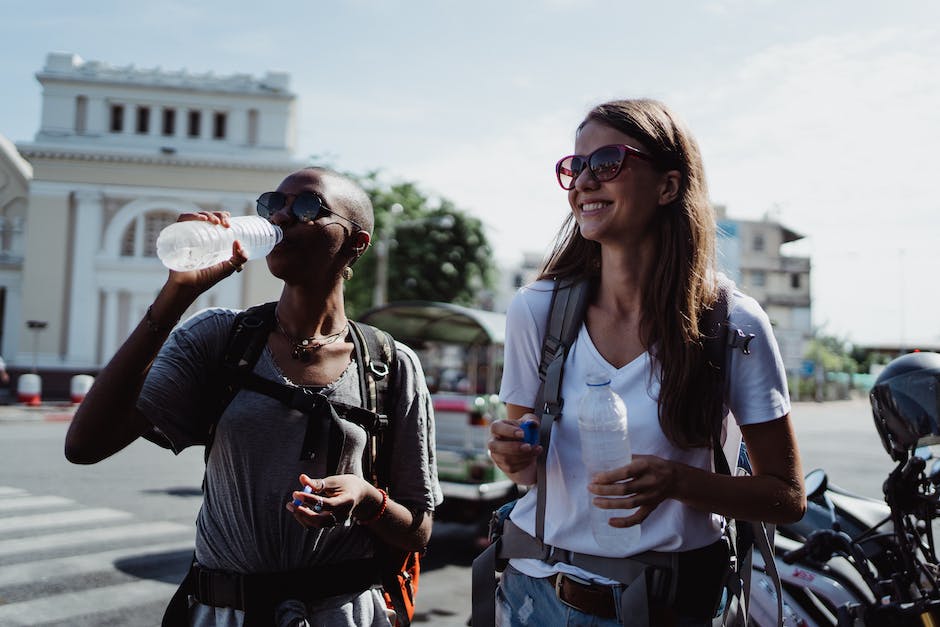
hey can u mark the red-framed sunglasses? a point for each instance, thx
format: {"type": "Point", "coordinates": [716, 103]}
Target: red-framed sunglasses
{"type": "Point", "coordinates": [603, 164]}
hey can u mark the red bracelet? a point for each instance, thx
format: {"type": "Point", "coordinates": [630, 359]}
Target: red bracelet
{"type": "Point", "coordinates": [379, 513]}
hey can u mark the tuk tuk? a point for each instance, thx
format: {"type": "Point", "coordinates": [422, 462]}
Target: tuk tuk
{"type": "Point", "coordinates": [461, 352]}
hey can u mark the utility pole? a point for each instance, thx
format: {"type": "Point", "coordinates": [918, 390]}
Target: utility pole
{"type": "Point", "coordinates": [380, 294]}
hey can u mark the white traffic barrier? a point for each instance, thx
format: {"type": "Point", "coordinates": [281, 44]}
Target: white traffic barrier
{"type": "Point", "coordinates": [80, 385]}
{"type": "Point", "coordinates": [29, 389]}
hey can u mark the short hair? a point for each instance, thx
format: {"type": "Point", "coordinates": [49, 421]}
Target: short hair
{"type": "Point", "coordinates": [348, 194]}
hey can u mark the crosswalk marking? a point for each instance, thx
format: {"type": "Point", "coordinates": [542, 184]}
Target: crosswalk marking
{"type": "Point", "coordinates": [58, 607]}
{"type": "Point", "coordinates": [61, 567]}
{"type": "Point", "coordinates": [33, 502]}
{"type": "Point", "coordinates": [137, 531]}
{"type": "Point", "coordinates": [61, 519]}
{"type": "Point", "coordinates": [64, 563]}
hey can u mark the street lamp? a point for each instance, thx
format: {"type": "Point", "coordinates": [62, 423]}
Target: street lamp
{"type": "Point", "coordinates": [380, 294]}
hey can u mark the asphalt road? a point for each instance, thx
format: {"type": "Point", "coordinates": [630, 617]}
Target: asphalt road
{"type": "Point", "coordinates": [106, 544]}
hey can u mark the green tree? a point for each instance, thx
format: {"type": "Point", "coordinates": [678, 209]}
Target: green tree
{"type": "Point", "coordinates": [832, 353]}
{"type": "Point", "coordinates": [435, 252]}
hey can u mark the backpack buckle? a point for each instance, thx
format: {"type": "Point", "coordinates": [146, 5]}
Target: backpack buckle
{"type": "Point", "coordinates": [740, 339]}
{"type": "Point", "coordinates": [379, 370]}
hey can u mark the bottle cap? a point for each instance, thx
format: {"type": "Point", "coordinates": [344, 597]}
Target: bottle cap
{"type": "Point", "coordinates": [597, 379]}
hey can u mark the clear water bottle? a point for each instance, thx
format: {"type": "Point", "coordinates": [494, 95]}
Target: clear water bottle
{"type": "Point", "coordinates": [605, 445]}
{"type": "Point", "coordinates": [193, 245]}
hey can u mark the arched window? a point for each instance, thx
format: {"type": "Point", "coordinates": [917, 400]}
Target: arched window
{"type": "Point", "coordinates": [140, 237]}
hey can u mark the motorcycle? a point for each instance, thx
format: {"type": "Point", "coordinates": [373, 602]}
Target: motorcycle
{"type": "Point", "coordinates": [853, 561]}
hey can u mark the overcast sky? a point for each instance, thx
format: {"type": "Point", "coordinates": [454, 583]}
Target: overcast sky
{"type": "Point", "coordinates": [826, 115]}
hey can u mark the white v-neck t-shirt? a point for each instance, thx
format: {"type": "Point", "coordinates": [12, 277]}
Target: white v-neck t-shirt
{"type": "Point", "coordinates": [757, 393]}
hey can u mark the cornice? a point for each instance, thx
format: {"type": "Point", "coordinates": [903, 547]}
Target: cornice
{"type": "Point", "coordinates": [60, 154]}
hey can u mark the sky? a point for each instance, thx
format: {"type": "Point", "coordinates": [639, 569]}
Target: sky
{"type": "Point", "coordinates": [824, 116]}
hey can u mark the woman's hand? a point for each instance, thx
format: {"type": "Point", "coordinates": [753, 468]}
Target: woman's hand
{"type": "Point", "coordinates": [198, 281]}
{"type": "Point", "coordinates": [644, 483]}
{"type": "Point", "coordinates": [510, 453]}
{"type": "Point", "coordinates": [331, 500]}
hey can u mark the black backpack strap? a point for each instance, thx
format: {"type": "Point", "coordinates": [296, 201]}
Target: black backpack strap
{"type": "Point", "coordinates": [246, 341]}
{"type": "Point", "coordinates": [721, 340]}
{"type": "Point", "coordinates": [566, 314]}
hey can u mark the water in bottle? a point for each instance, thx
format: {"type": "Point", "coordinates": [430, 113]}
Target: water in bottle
{"type": "Point", "coordinates": [605, 445]}
{"type": "Point", "coordinates": [193, 245]}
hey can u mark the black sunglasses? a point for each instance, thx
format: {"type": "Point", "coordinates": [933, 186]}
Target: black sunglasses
{"type": "Point", "coordinates": [307, 207]}
{"type": "Point", "coordinates": [603, 164]}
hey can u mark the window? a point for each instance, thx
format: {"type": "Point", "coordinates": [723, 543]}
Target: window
{"type": "Point", "coordinates": [195, 122]}
{"type": "Point", "coordinates": [169, 122]}
{"type": "Point", "coordinates": [218, 125]}
{"type": "Point", "coordinates": [143, 120]}
{"type": "Point", "coordinates": [81, 114]}
{"type": "Point", "coordinates": [795, 280]}
{"type": "Point", "coordinates": [117, 118]}
{"type": "Point", "coordinates": [758, 278]}
{"type": "Point", "coordinates": [252, 127]}
{"type": "Point", "coordinates": [140, 237]}
{"type": "Point", "coordinates": [154, 222]}
{"type": "Point", "coordinates": [759, 242]}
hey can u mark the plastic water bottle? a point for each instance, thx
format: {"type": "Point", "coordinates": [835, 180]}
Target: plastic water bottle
{"type": "Point", "coordinates": [193, 245]}
{"type": "Point", "coordinates": [605, 445]}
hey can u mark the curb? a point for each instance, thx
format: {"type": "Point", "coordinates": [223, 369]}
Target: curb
{"type": "Point", "coordinates": [48, 412]}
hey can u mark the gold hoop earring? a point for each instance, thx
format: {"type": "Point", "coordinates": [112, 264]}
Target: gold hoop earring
{"type": "Point", "coordinates": [347, 273]}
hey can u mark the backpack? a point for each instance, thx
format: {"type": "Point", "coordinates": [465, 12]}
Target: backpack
{"type": "Point", "coordinates": [375, 354]}
{"type": "Point", "coordinates": [568, 305]}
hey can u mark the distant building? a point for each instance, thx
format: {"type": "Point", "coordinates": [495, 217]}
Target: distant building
{"type": "Point", "coordinates": [120, 152]}
{"type": "Point", "coordinates": [749, 252]}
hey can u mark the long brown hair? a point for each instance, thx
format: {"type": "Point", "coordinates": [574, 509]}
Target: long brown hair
{"type": "Point", "coordinates": [680, 287]}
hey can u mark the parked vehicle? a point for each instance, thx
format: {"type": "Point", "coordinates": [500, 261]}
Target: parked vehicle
{"type": "Point", "coordinates": [857, 562]}
{"type": "Point", "coordinates": [461, 351]}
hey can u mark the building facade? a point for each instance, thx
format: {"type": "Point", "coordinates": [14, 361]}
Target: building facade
{"type": "Point", "coordinates": [749, 252]}
{"type": "Point", "coordinates": [119, 154]}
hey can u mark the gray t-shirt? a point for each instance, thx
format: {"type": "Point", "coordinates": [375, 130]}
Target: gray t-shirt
{"type": "Point", "coordinates": [255, 462]}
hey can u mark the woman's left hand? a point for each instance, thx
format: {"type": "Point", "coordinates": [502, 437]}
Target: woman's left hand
{"type": "Point", "coordinates": [331, 500]}
{"type": "Point", "coordinates": [644, 483]}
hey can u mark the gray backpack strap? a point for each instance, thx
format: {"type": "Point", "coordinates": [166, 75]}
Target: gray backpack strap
{"type": "Point", "coordinates": [569, 304]}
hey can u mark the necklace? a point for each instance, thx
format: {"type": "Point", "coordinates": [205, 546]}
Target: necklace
{"type": "Point", "coordinates": [303, 347]}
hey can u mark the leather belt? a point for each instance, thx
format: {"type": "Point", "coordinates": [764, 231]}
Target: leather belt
{"type": "Point", "coordinates": [585, 596]}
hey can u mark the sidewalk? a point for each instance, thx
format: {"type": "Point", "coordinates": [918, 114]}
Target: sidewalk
{"type": "Point", "coordinates": [52, 411]}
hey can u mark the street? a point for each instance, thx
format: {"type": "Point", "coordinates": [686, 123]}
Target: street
{"type": "Point", "coordinates": [106, 544]}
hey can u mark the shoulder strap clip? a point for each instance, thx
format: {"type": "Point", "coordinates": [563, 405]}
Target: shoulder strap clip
{"type": "Point", "coordinates": [739, 339]}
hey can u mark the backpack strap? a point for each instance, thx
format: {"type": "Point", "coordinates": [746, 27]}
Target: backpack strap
{"type": "Point", "coordinates": [721, 341]}
{"type": "Point", "coordinates": [566, 315]}
{"type": "Point", "coordinates": [377, 361]}
{"type": "Point", "coordinates": [246, 341]}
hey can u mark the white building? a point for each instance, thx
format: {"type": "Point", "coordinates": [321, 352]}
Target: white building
{"type": "Point", "coordinates": [120, 152]}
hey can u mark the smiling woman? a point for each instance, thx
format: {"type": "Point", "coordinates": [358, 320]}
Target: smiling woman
{"type": "Point", "coordinates": [641, 237]}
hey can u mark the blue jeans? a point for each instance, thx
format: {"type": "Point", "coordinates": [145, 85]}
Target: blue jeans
{"type": "Point", "coordinates": [523, 601]}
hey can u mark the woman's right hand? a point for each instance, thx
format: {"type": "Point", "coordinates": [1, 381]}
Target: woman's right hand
{"type": "Point", "coordinates": [510, 453]}
{"type": "Point", "coordinates": [195, 282]}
